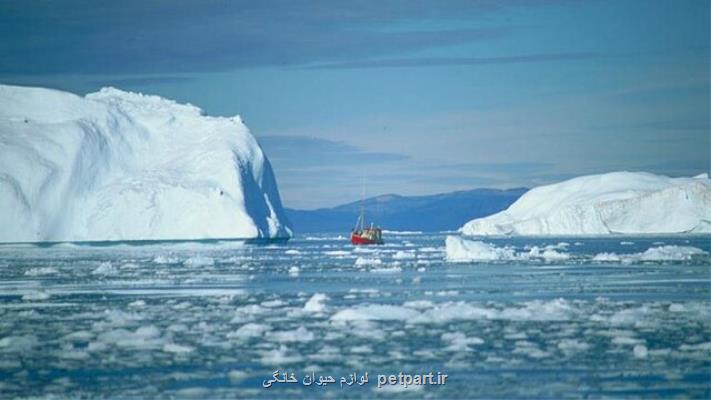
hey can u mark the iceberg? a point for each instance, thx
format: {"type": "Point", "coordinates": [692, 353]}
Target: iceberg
{"type": "Point", "coordinates": [611, 203]}
{"type": "Point", "coordinates": [115, 165]}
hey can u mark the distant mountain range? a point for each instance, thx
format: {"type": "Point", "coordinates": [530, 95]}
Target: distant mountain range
{"type": "Point", "coordinates": [438, 212]}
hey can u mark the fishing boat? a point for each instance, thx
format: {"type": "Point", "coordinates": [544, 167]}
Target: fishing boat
{"type": "Point", "coordinates": [362, 235]}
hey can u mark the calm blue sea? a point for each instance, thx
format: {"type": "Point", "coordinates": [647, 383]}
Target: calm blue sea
{"type": "Point", "coordinates": [593, 317]}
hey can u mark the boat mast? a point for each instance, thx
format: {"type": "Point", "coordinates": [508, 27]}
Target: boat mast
{"type": "Point", "coordinates": [362, 205]}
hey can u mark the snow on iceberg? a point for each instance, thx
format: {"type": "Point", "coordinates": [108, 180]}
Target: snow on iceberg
{"type": "Point", "coordinates": [115, 165]}
{"type": "Point", "coordinates": [612, 203]}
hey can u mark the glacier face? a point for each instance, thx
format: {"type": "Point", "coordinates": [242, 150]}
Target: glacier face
{"type": "Point", "coordinates": [115, 165]}
{"type": "Point", "coordinates": [612, 203]}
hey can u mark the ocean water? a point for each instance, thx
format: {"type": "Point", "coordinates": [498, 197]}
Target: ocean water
{"type": "Point", "coordinates": [565, 317]}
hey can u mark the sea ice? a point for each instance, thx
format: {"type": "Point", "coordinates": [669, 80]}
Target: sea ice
{"type": "Point", "coordinates": [463, 250]}
{"type": "Point", "coordinates": [661, 253]}
{"type": "Point", "coordinates": [316, 304]}
{"type": "Point", "coordinates": [19, 344]}
{"type": "Point", "coordinates": [277, 358]}
{"type": "Point", "coordinates": [300, 334]}
{"type": "Point", "coordinates": [458, 341]}
{"type": "Point", "coordinates": [459, 249]}
{"type": "Point", "coordinates": [404, 255]}
{"type": "Point", "coordinates": [670, 253]}
{"type": "Point", "coordinates": [166, 260]}
{"type": "Point", "coordinates": [337, 253]}
{"type": "Point", "coordinates": [105, 268]}
{"type": "Point", "coordinates": [199, 261]}
{"type": "Point", "coordinates": [39, 271]}
{"type": "Point", "coordinates": [36, 295]}
{"type": "Point", "coordinates": [365, 261]}
{"type": "Point", "coordinates": [386, 270]}
{"type": "Point", "coordinates": [640, 351]}
{"type": "Point", "coordinates": [572, 345]}
{"type": "Point", "coordinates": [249, 330]}
{"type": "Point", "coordinates": [176, 348]}
{"type": "Point", "coordinates": [376, 312]}
{"type": "Point", "coordinates": [548, 253]}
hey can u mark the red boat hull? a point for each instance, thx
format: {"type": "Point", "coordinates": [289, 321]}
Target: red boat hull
{"type": "Point", "coordinates": [358, 240]}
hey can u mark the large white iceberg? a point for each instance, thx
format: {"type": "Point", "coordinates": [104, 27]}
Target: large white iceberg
{"type": "Point", "coordinates": [612, 203]}
{"type": "Point", "coordinates": [115, 165]}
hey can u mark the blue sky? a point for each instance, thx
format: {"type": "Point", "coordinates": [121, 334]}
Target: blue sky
{"type": "Point", "coordinates": [417, 96]}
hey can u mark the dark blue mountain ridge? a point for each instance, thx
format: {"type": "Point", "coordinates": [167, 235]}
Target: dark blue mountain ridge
{"type": "Point", "coordinates": [437, 212]}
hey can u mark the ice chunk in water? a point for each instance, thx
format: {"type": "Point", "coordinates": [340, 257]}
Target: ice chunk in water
{"type": "Point", "coordinates": [316, 303]}
{"type": "Point", "coordinates": [375, 312]}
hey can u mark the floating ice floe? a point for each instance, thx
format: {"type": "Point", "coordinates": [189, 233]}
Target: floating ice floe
{"type": "Point", "coordinates": [37, 295]}
{"type": "Point", "coordinates": [272, 303]}
{"type": "Point", "coordinates": [18, 344]}
{"type": "Point", "coordinates": [572, 345]}
{"type": "Point", "coordinates": [670, 253]}
{"type": "Point", "coordinates": [39, 271]}
{"type": "Point", "coordinates": [640, 351]}
{"type": "Point", "coordinates": [300, 334]}
{"type": "Point", "coordinates": [199, 261]}
{"type": "Point", "coordinates": [277, 358]}
{"type": "Point", "coordinates": [706, 346]}
{"type": "Point", "coordinates": [316, 304]}
{"type": "Point", "coordinates": [458, 341]}
{"type": "Point", "coordinates": [375, 312]}
{"type": "Point", "coordinates": [249, 330]}
{"type": "Point", "coordinates": [404, 255]}
{"type": "Point", "coordinates": [137, 304]}
{"type": "Point", "coordinates": [237, 375]}
{"type": "Point", "coordinates": [324, 238]}
{"type": "Point", "coordinates": [548, 253]}
{"type": "Point", "coordinates": [530, 349]}
{"type": "Point", "coordinates": [247, 312]}
{"type": "Point", "coordinates": [337, 253]}
{"type": "Point", "coordinates": [386, 270]}
{"type": "Point", "coordinates": [105, 268]}
{"type": "Point", "coordinates": [166, 260]}
{"type": "Point", "coordinates": [536, 310]}
{"type": "Point", "coordinates": [177, 348]}
{"type": "Point", "coordinates": [661, 253]}
{"type": "Point", "coordinates": [427, 312]}
{"type": "Point", "coordinates": [459, 249]}
{"type": "Point", "coordinates": [365, 261]}
{"type": "Point", "coordinates": [146, 337]}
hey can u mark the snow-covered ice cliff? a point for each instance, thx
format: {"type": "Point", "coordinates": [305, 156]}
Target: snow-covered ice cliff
{"type": "Point", "coordinates": [612, 203]}
{"type": "Point", "coordinates": [115, 165]}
